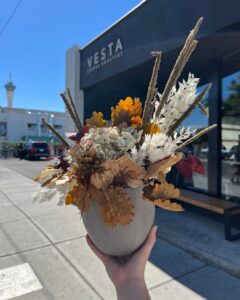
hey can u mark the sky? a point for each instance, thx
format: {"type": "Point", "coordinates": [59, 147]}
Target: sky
{"type": "Point", "coordinates": [33, 45]}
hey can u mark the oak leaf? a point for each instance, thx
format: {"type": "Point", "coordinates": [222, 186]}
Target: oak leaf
{"type": "Point", "coordinates": [81, 196]}
{"type": "Point", "coordinates": [116, 208]}
{"type": "Point", "coordinates": [163, 165]}
{"type": "Point", "coordinates": [167, 204]}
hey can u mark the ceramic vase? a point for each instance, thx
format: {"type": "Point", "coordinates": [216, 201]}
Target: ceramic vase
{"type": "Point", "coordinates": [121, 240]}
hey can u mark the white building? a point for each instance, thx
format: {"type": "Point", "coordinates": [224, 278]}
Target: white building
{"type": "Point", "coordinates": [18, 123]}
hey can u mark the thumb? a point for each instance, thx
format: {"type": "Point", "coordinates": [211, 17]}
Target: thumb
{"type": "Point", "coordinates": [146, 249]}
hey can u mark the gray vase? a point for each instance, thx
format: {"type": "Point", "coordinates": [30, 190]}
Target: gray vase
{"type": "Point", "coordinates": [121, 240]}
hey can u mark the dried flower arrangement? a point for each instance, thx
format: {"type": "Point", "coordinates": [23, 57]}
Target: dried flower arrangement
{"type": "Point", "coordinates": [137, 150]}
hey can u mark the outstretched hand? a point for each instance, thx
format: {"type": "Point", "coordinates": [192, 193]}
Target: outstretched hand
{"type": "Point", "coordinates": [128, 273]}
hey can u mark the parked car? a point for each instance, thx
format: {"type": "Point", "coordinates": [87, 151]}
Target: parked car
{"type": "Point", "coordinates": [34, 150]}
{"type": "Point", "coordinates": [226, 153]}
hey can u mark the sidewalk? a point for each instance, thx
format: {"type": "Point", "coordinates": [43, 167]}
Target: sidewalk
{"type": "Point", "coordinates": [46, 247]}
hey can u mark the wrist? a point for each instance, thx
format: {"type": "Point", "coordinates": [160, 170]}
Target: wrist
{"type": "Point", "coordinates": [134, 288]}
{"type": "Point", "coordinates": [130, 281]}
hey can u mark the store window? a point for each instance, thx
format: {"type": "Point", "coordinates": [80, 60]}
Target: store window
{"type": "Point", "coordinates": [43, 129]}
{"type": "Point", "coordinates": [3, 129]}
{"type": "Point", "coordinates": [32, 127]}
{"type": "Point", "coordinates": [192, 173]}
{"type": "Point", "coordinates": [231, 136]}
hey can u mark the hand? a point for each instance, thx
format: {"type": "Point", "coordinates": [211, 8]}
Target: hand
{"type": "Point", "coordinates": [128, 275]}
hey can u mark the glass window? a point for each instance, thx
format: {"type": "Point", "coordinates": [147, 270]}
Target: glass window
{"type": "Point", "coordinates": [43, 128]}
{"type": "Point", "coordinates": [32, 126]}
{"type": "Point", "coordinates": [192, 172]}
{"type": "Point", "coordinates": [58, 127]}
{"type": "Point", "coordinates": [231, 136]}
{"type": "Point", "coordinates": [3, 129]}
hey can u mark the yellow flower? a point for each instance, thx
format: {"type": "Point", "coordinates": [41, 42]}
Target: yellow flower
{"type": "Point", "coordinates": [127, 111]}
{"type": "Point", "coordinates": [96, 120]}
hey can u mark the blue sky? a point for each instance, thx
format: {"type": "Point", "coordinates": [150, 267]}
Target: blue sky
{"type": "Point", "coordinates": [34, 43]}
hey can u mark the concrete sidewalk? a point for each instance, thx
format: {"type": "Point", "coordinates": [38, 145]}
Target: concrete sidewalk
{"type": "Point", "coordinates": [47, 244]}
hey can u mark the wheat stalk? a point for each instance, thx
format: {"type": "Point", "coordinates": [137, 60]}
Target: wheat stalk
{"type": "Point", "coordinates": [57, 134]}
{"type": "Point", "coordinates": [149, 105]}
{"type": "Point", "coordinates": [71, 112]}
{"type": "Point", "coordinates": [181, 61]}
{"type": "Point", "coordinates": [74, 109]}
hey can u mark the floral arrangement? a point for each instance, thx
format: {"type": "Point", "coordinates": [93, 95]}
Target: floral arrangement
{"type": "Point", "coordinates": [136, 150]}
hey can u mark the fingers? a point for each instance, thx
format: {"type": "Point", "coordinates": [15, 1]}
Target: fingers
{"type": "Point", "coordinates": [96, 251]}
{"type": "Point", "coordinates": [146, 249]}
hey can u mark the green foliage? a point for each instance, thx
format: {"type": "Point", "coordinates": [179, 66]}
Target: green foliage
{"type": "Point", "coordinates": [231, 106]}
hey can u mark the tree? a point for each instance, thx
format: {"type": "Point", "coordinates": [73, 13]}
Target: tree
{"type": "Point", "coordinates": [231, 106]}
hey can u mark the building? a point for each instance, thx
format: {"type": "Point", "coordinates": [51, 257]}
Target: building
{"type": "Point", "coordinates": [117, 63]}
{"type": "Point", "coordinates": [18, 124]}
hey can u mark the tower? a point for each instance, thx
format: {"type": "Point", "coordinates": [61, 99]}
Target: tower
{"type": "Point", "coordinates": [10, 87]}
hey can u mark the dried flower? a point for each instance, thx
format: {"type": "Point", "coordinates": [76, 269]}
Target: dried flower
{"type": "Point", "coordinates": [96, 120]}
{"type": "Point", "coordinates": [127, 111]}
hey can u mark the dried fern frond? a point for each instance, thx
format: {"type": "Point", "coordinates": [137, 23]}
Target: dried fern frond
{"type": "Point", "coordinates": [197, 102]}
{"type": "Point", "coordinates": [196, 136]}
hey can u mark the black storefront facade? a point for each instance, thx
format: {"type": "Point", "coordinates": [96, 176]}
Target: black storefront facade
{"type": "Point", "coordinates": [118, 63]}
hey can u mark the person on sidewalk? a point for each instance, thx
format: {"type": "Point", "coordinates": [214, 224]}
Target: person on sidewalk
{"type": "Point", "coordinates": [128, 276]}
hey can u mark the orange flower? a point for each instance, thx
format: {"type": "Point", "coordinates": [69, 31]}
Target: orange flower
{"type": "Point", "coordinates": [96, 120]}
{"type": "Point", "coordinates": [127, 111]}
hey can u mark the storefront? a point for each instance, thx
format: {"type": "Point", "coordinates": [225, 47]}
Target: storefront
{"type": "Point", "coordinates": [118, 63]}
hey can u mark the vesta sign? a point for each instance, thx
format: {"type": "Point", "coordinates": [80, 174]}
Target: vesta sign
{"type": "Point", "coordinates": [110, 52]}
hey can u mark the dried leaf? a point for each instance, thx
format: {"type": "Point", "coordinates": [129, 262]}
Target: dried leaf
{"type": "Point", "coordinates": [102, 180]}
{"type": "Point", "coordinates": [160, 191]}
{"type": "Point", "coordinates": [117, 208]}
{"type": "Point", "coordinates": [163, 165]}
{"type": "Point", "coordinates": [167, 204]}
{"type": "Point", "coordinates": [120, 172]}
{"type": "Point", "coordinates": [96, 120]}
{"type": "Point", "coordinates": [129, 173]}
{"type": "Point", "coordinates": [81, 196]}
{"type": "Point", "coordinates": [165, 191]}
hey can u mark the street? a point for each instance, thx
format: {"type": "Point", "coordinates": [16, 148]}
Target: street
{"type": "Point", "coordinates": [44, 254]}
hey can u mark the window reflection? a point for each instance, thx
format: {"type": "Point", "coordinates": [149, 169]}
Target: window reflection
{"type": "Point", "coordinates": [231, 136]}
{"type": "Point", "coordinates": [192, 172]}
